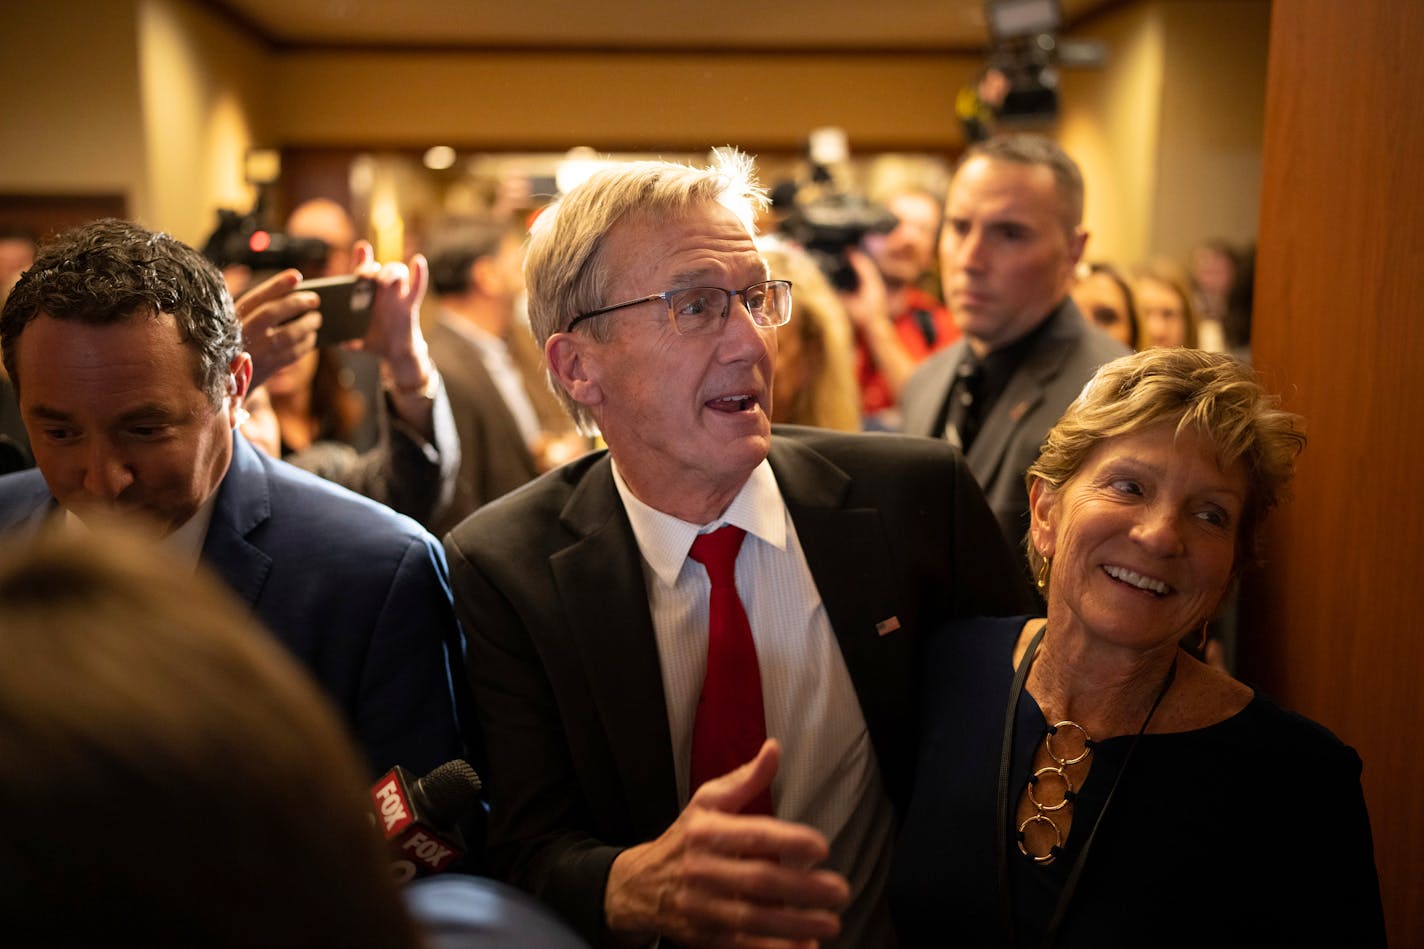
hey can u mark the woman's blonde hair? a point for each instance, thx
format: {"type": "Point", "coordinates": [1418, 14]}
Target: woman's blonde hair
{"type": "Point", "coordinates": [828, 396]}
{"type": "Point", "coordinates": [1212, 394]}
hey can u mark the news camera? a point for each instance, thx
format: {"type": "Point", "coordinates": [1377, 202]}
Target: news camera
{"type": "Point", "coordinates": [241, 239]}
{"type": "Point", "coordinates": [828, 223]}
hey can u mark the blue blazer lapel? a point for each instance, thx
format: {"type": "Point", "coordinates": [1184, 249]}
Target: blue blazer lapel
{"type": "Point", "coordinates": [243, 503]}
{"type": "Point", "coordinates": [605, 604]}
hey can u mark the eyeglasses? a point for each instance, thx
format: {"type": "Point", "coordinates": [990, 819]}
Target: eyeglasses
{"type": "Point", "coordinates": [698, 311]}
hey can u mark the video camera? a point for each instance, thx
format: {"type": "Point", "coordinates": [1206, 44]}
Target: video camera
{"type": "Point", "coordinates": [826, 218]}
{"type": "Point", "coordinates": [240, 239]}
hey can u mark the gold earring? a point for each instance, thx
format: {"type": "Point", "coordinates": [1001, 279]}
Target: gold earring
{"type": "Point", "coordinates": [1205, 622]}
{"type": "Point", "coordinates": [1043, 573]}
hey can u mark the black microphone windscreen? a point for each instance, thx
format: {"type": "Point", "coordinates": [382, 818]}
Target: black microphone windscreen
{"type": "Point", "coordinates": [448, 793]}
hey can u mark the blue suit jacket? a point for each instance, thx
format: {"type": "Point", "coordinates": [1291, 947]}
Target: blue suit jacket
{"type": "Point", "coordinates": [358, 593]}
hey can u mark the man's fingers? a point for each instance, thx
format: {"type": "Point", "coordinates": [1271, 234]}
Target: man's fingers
{"type": "Point", "coordinates": [732, 791]}
{"type": "Point", "coordinates": [363, 258]}
{"type": "Point", "coordinates": [766, 882]}
{"type": "Point", "coordinates": [767, 838]}
{"type": "Point", "coordinates": [419, 277]}
{"type": "Point", "coordinates": [274, 287]}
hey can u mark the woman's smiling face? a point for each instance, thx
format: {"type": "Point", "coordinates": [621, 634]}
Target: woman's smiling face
{"type": "Point", "coordinates": [1143, 538]}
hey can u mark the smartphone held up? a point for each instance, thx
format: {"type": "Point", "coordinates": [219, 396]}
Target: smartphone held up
{"type": "Point", "coordinates": [346, 305]}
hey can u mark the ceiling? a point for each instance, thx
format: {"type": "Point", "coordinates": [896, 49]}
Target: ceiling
{"type": "Point", "coordinates": [632, 25]}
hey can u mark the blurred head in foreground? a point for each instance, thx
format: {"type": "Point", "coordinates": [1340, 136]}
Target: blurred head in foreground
{"type": "Point", "coordinates": [166, 771]}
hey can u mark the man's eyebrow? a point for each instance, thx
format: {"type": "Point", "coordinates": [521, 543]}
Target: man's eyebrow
{"type": "Point", "coordinates": [48, 414]}
{"type": "Point", "coordinates": [147, 411]}
{"type": "Point", "coordinates": [692, 278]}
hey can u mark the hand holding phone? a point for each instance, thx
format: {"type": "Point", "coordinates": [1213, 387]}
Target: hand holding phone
{"type": "Point", "coordinates": [345, 306]}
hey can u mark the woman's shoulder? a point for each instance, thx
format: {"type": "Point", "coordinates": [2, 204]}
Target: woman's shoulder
{"type": "Point", "coordinates": [1295, 736]}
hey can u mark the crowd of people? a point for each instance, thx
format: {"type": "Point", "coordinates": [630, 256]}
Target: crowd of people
{"type": "Point", "coordinates": [730, 668]}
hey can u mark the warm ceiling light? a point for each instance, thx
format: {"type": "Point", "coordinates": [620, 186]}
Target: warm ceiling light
{"type": "Point", "coordinates": [439, 158]}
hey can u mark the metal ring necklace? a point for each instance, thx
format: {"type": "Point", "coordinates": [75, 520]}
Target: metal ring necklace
{"type": "Point", "coordinates": [1005, 764]}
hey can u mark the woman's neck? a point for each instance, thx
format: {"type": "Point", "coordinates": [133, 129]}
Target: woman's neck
{"type": "Point", "coordinates": [1106, 688]}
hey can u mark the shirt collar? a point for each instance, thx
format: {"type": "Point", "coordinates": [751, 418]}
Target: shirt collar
{"type": "Point", "coordinates": [665, 540]}
{"type": "Point", "coordinates": [185, 544]}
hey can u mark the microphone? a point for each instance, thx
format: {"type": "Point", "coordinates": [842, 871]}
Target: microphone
{"type": "Point", "coordinates": [420, 816]}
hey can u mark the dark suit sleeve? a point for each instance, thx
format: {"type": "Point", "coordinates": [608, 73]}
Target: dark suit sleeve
{"type": "Point", "coordinates": [990, 577]}
{"type": "Point", "coordinates": [535, 802]}
{"type": "Point", "coordinates": [402, 470]}
{"type": "Point", "coordinates": [414, 642]}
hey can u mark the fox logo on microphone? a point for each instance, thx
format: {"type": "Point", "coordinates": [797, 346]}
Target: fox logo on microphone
{"type": "Point", "coordinates": [419, 818]}
{"type": "Point", "coordinates": [390, 798]}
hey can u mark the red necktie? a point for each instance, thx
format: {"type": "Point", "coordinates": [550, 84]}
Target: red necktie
{"type": "Point", "coordinates": [730, 725]}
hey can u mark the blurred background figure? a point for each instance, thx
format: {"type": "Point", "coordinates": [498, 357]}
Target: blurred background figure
{"type": "Point", "coordinates": [17, 253]}
{"type": "Point", "coordinates": [329, 222]}
{"type": "Point", "coordinates": [170, 776]}
{"type": "Point", "coordinates": [1105, 298]}
{"type": "Point", "coordinates": [1165, 305]}
{"type": "Point", "coordinates": [1222, 277]}
{"type": "Point", "coordinates": [306, 410]}
{"type": "Point", "coordinates": [480, 343]}
{"type": "Point", "coordinates": [814, 381]}
{"type": "Point", "coordinates": [898, 321]}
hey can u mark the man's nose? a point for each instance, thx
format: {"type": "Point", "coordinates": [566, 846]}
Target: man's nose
{"type": "Point", "coordinates": [106, 474]}
{"type": "Point", "coordinates": [968, 251]}
{"type": "Point", "coordinates": [741, 334]}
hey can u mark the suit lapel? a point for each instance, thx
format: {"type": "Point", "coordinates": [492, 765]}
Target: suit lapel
{"type": "Point", "coordinates": [1022, 395]}
{"type": "Point", "coordinates": [921, 414]}
{"type": "Point", "coordinates": [599, 578]}
{"type": "Point", "coordinates": [243, 503]}
{"type": "Point", "coordinates": [851, 562]}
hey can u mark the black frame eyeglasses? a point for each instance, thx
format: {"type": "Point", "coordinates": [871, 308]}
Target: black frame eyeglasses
{"type": "Point", "coordinates": [697, 311]}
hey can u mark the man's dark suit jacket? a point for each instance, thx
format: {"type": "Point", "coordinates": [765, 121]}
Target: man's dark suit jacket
{"type": "Point", "coordinates": [1011, 436]}
{"type": "Point", "coordinates": [358, 593]}
{"type": "Point", "coordinates": [494, 459]}
{"type": "Point", "coordinates": [549, 585]}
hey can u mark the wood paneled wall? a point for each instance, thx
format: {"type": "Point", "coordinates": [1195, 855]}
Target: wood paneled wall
{"type": "Point", "coordinates": [1335, 631]}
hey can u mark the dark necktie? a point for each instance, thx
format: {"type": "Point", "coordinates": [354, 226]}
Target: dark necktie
{"type": "Point", "coordinates": [962, 412]}
{"type": "Point", "coordinates": [730, 725]}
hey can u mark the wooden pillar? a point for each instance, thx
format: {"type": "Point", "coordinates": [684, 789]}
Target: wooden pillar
{"type": "Point", "coordinates": [1334, 626]}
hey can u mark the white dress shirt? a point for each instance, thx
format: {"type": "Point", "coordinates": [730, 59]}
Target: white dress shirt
{"type": "Point", "coordinates": [829, 777]}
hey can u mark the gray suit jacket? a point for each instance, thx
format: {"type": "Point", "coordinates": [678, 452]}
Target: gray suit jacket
{"type": "Point", "coordinates": [1050, 377]}
{"type": "Point", "coordinates": [564, 662]}
{"type": "Point", "coordinates": [493, 457]}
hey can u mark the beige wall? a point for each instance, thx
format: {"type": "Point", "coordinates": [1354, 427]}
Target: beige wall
{"type": "Point", "coordinates": [1109, 122]}
{"type": "Point", "coordinates": [70, 113]}
{"type": "Point", "coordinates": [1169, 133]}
{"type": "Point", "coordinates": [1213, 112]}
{"type": "Point", "coordinates": [202, 88]}
{"type": "Point", "coordinates": [159, 99]}
{"type": "Point", "coordinates": [645, 101]}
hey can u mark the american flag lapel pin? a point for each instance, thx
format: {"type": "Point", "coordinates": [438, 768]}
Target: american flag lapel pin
{"type": "Point", "coordinates": [887, 626]}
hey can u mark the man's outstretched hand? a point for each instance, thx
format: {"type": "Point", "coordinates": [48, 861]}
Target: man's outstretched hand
{"type": "Point", "coordinates": [717, 877]}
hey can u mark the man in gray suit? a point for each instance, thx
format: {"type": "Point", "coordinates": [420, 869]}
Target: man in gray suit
{"type": "Point", "coordinates": [475, 341]}
{"type": "Point", "coordinates": [1012, 237]}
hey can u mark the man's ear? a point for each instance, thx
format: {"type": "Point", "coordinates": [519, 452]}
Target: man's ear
{"type": "Point", "coordinates": [570, 362]}
{"type": "Point", "coordinates": [1043, 517]}
{"type": "Point", "coordinates": [484, 276]}
{"type": "Point", "coordinates": [239, 378]}
{"type": "Point", "coordinates": [1077, 243]}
